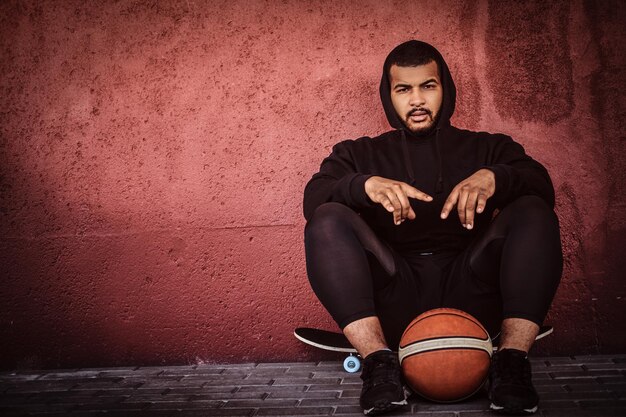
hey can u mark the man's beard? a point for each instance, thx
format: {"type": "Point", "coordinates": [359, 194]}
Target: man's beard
{"type": "Point", "coordinates": [422, 131]}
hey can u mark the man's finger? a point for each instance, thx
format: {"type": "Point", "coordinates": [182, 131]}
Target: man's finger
{"type": "Point", "coordinates": [397, 206]}
{"type": "Point", "coordinates": [482, 203]}
{"type": "Point", "coordinates": [415, 193]}
{"type": "Point", "coordinates": [469, 209]}
{"type": "Point", "coordinates": [450, 202]}
{"type": "Point", "coordinates": [460, 206]}
{"type": "Point", "coordinates": [383, 201]}
{"type": "Point", "coordinates": [404, 200]}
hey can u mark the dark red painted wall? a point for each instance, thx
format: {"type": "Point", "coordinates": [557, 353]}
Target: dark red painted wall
{"type": "Point", "coordinates": [153, 159]}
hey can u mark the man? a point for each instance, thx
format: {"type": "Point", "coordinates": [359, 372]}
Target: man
{"type": "Point", "coordinates": [405, 222]}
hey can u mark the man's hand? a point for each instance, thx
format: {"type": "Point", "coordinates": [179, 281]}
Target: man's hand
{"type": "Point", "coordinates": [470, 195]}
{"type": "Point", "coordinates": [394, 196]}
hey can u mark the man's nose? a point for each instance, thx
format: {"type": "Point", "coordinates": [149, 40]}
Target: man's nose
{"type": "Point", "coordinates": [416, 98]}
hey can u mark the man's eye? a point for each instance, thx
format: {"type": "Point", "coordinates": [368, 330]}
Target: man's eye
{"type": "Point", "coordinates": [401, 90]}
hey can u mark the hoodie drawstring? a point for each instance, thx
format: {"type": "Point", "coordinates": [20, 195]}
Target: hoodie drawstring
{"type": "Point", "coordinates": [407, 160]}
{"type": "Point", "coordinates": [439, 187]}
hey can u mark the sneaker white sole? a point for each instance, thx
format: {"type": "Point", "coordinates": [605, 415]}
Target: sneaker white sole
{"type": "Point", "coordinates": [388, 407]}
{"type": "Point", "coordinates": [505, 410]}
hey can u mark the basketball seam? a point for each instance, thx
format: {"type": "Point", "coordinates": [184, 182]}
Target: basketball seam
{"type": "Point", "coordinates": [450, 343]}
{"type": "Point", "coordinates": [486, 339]}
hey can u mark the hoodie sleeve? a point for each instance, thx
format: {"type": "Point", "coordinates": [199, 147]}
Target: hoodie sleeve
{"type": "Point", "coordinates": [517, 174]}
{"type": "Point", "coordinates": [337, 181]}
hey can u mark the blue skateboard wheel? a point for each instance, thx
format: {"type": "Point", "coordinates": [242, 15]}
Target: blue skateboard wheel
{"type": "Point", "coordinates": [351, 364]}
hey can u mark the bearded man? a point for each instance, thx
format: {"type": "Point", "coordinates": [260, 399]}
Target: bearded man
{"type": "Point", "coordinates": [406, 222]}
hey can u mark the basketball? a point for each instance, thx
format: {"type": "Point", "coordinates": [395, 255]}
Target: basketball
{"type": "Point", "coordinates": [445, 355]}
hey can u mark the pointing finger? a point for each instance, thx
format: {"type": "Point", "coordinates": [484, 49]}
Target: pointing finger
{"type": "Point", "coordinates": [415, 193]}
{"type": "Point", "coordinates": [450, 202]}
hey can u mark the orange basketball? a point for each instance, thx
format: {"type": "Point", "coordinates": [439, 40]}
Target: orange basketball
{"type": "Point", "coordinates": [445, 354]}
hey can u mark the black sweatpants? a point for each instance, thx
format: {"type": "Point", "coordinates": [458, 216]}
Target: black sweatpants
{"type": "Point", "coordinates": [512, 270]}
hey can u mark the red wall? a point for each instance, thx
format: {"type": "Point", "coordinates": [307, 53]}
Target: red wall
{"type": "Point", "coordinates": [153, 159]}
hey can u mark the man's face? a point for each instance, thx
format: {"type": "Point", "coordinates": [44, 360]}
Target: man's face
{"type": "Point", "coordinates": [416, 94]}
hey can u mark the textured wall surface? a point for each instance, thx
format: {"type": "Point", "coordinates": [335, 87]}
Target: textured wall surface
{"type": "Point", "coordinates": [153, 157]}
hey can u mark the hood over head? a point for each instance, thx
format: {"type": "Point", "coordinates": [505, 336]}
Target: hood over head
{"type": "Point", "coordinates": [449, 90]}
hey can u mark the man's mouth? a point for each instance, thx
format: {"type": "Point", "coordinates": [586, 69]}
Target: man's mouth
{"type": "Point", "coordinates": [419, 115]}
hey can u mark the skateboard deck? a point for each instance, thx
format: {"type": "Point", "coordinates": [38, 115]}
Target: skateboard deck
{"type": "Point", "coordinates": [337, 342]}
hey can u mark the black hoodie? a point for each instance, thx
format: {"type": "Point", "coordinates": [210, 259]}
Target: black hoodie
{"type": "Point", "coordinates": [434, 164]}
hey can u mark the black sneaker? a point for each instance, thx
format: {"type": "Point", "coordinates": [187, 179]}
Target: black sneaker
{"type": "Point", "coordinates": [511, 389]}
{"type": "Point", "coordinates": [382, 383]}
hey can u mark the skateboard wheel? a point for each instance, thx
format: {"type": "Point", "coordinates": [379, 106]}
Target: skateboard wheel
{"type": "Point", "coordinates": [352, 364]}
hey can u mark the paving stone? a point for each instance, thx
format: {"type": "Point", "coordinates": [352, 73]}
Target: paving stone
{"type": "Point", "coordinates": [603, 404]}
{"type": "Point", "coordinates": [116, 406]}
{"type": "Point", "coordinates": [326, 387]}
{"type": "Point", "coordinates": [577, 389]}
{"type": "Point", "coordinates": [349, 410]}
{"type": "Point", "coordinates": [320, 402]}
{"type": "Point", "coordinates": [286, 364]}
{"type": "Point", "coordinates": [553, 388]}
{"type": "Point", "coordinates": [227, 396]}
{"type": "Point", "coordinates": [193, 372]}
{"type": "Point", "coordinates": [36, 408]}
{"type": "Point", "coordinates": [274, 388]}
{"type": "Point", "coordinates": [17, 398]}
{"type": "Point", "coordinates": [83, 374]}
{"type": "Point", "coordinates": [38, 386]}
{"type": "Point", "coordinates": [106, 383]}
{"type": "Point", "coordinates": [351, 383]}
{"type": "Point", "coordinates": [72, 398]}
{"type": "Point", "coordinates": [299, 374]}
{"type": "Point", "coordinates": [297, 381]}
{"type": "Point", "coordinates": [14, 376]}
{"type": "Point", "coordinates": [606, 366]}
{"type": "Point", "coordinates": [610, 380]}
{"type": "Point", "coordinates": [308, 394]}
{"type": "Point", "coordinates": [557, 404]}
{"type": "Point", "coordinates": [298, 411]}
{"type": "Point", "coordinates": [471, 405]}
{"type": "Point", "coordinates": [268, 402]}
{"type": "Point", "coordinates": [582, 413]}
{"type": "Point", "coordinates": [234, 365]}
{"type": "Point", "coordinates": [254, 381]}
{"type": "Point", "coordinates": [138, 373]}
{"type": "Point", "coordinates": [542, 376]}
{"type": "Point", "coordinates": [595, 358]}
{"type": "Point", "coordinates": [139, 397]}
{"type": "Point", "coordinates": [268, 371]}
{"type": "Point", "coordinates": [565, 381]}
{"type": "Point", "coordinates": [586, 395]}
{"type": "Point", "coordinates": [583, 374]}
{"type": "Point", "coordinates": [351, 393]}
{"type": "Point", "coordinates": [558, 368]}
{"type": "Point", "coordinates": [186, 405]}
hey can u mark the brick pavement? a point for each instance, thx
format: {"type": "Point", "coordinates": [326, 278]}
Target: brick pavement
{"type": "Point", "coordinates": [593, 386]}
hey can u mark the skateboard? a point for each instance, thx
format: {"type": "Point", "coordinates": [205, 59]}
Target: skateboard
{"type": "Point", "coordinates": [337, 342]}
